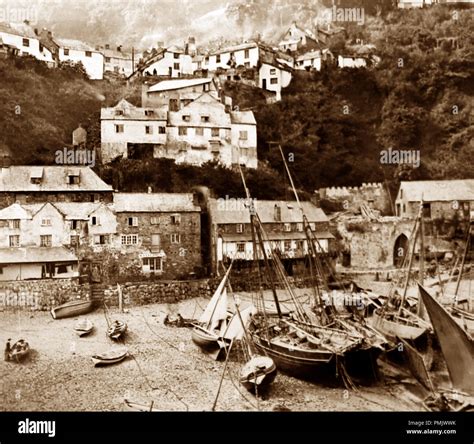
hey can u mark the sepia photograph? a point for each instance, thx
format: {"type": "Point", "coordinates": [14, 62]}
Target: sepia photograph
{"type": "Point", "coordinates": [237, 206]}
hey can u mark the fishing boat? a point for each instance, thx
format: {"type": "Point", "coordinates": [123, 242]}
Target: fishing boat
{"type": "Point", "coordinates": [258, 373]}
{"type": "Point", "coordinates": [116, 330]}
{"type": "Point", "coordinates": [19, 350]}
{"type": "Point", "coordinates": [394, 326]}
{"type": "Point", "coordinates": [84, 327]}
{"type": "Point", "coordinates": [109, 357]}
{"type": "Point", "coordinates": [208, 332]}
{"type": "Point", "coordinates": [311, 340]}
{"type": "Point", "coordinates": [132, 406]}
{"type": "Point", "coordinates": [72, 308]}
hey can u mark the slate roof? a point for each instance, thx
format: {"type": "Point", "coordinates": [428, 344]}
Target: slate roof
{"type": "Point", "coordinates": [437, 190]}
{"type": "Point", "coordinates": [154, 203]}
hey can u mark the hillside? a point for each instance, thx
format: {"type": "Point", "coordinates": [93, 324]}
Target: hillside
{"type": "Point", "coordinates": [332, 125]}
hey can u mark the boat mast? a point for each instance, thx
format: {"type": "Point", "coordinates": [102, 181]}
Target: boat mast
{"type": "Point", "coordinates": [461, 271]}
{"type": "Point", "coordinates": [420, 310]}
{"type": "Point", "coordinates": [255, 225]}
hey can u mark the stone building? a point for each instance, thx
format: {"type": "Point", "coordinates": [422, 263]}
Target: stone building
{"type": "Point", "coordinates": [442, 199]}
{"type": "Point", "coordinates": [374, 195]}
{"type": "Point", "coordinates": [30, 184]}
{"type": "Point", "coordinates": [158, 234]}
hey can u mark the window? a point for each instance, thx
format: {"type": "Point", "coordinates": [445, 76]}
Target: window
{"type": "Point", "coordinates": [119, 112]}
{"type": "Point", "coordinates": [95, 220]}
{"type": "Point", "coordinates": [46, 240]}
{"type": "Point", "coordinates": [299, 226]}
{"type": "Point", "coordinates": [73, 180]}
{"type": "Point", "coordinates": [155, 240]}
{"type": "Point", "coordinates": [404, 208]}
{"type": "Point", "coordinates": [176, 55]}
{"type": "Point", "coordinates": [129, 239]}
{"type": "Point", "coordinates": [101, 239]}
{"type": "Point", "coordinates": [206, 87]}
{"type": "Point", "coordinates": [183, 131]}
{"type": "Point", "coordinates": [74, 240]}
{"type": "Point", "coordinates": [199, 131]}
{"type": "Point", "coordinates": [241, 247]}
{"type": "Point", "coordinates": [74, 224]}
{"type": "Point", "coordinates": [287, 227]}
{"type": "Point", "coordinates": [14, 240]}
{"type": "Point", "coordinates": [243, 135]}
{"type": "Point", "coordinates": [287, 245]}
{"type": "Point", "coordinates": [132, 221]}
{"type": "Point", "coordinates": [273, 71]}
{"type": "Point", "coordinates": [239, 228]}
{"type": "Point", "coordinates": [15, 224]}
{"type": "Point", "coordinates": [88, 54]}
{"type": "Point", "coordinates": [175, 238]}
{"type": "Point", "coordinates": [218, 58]}
{"type": "Point", "coordinates": [274, 81]}
{"type": "Point", "coordinates": [204, 119]}
{"type": "Point", "coordinates": [26, 42]}
{"type": "Point", "coordinates": [66, 51]}
{"type": "Point", "coordinates": [162, 130]}
{"type": "Point", "coordinates": [300, 245]}
{"type": "Point", "coordinates": [1, 269]}
{"type": "Point", "coordinates": [148, 129]}
{"type": "Point", "coordinates": [45, 222]}
{"type": "Point", "coordinates": [186, 118]}
{"type": "Point", "coordinates": [154, 220]}
{"type": "Point", "coordinates": [247, 53]}
{"type": "Point", "coordinates": [215, 132]}
{"type": "Point", "coordinates": [107, 60]}
{"type": "Point", "coordinates": [119, 128]}
{"type": "Point", "coordinates": [176, 66]}
{"type": "Point", "coordinates": [152, 264]}
{"type": "Point", "coordinates": [427, 210]}
{"type": "Point", "coordinates": [149, 112]}
{"type": "Point", "coordinates": [176, 219]}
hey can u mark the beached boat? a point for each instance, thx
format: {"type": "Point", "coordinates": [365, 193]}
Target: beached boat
{"type": "Point", "coordinates": [116, 330]}
{"type": "Point", "coordinates": [109, 357]}
{"type": "Point", "coordinates": [258, 373]}
{"type": "Point", "coordinates": [207, 333]}
{"type": "Point", "coordinates": [83, 327]}
{"type": "Point", "coordinates": [393, 326]}
{"type": "Point", "coordinates": [72, 308]}
{"type": "Point", "coordinates": [132, 406]}
{"type": "Point", "coordinates": [19, 350]}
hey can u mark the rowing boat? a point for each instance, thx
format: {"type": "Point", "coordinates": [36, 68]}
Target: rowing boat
{"type": "Point", "coordinates": [110, 357]}
{"type": "Point", "coordinates": [72, 308]}
{"type": "Point", "coordinates": [84, 327]}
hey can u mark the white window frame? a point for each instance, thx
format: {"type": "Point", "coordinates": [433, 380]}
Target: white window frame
{"type": "Point", "coordinates": [156, 260]}
{"type": "Point", "coordinates": [134, 221]}
{"type": "Point", "coordinates": [239, 228]}
{"type": "Point", "coordinates": [46, 222]}
{"type": "Point", "coordinates": [46, 240]}
{"type": "Point", "coordinates": [15, 237]}
{"type": "Point", "coordinates": [287, 227]}
{"type": "Point", "coordinates": [129, 239]}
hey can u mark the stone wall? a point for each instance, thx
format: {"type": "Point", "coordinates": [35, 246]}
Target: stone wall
{"type": "Point", "coordinates": [41, 294]}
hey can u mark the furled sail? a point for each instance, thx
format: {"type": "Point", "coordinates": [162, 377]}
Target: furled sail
{"type": "Point", "coordinates": [235, 329]}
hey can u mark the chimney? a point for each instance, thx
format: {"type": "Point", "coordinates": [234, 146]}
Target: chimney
{"type": "Point", "coordinates": [107, 46]}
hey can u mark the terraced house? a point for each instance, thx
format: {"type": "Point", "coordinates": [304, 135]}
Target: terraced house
{"type": "Point", "coordinates": [30, 184]}
{"type": "Point", "coordinates": [157, 235]}
{"type": "Point", "coordinates": [231, 235]}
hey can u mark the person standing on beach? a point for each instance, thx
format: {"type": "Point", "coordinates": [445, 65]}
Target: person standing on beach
{"type": "Point", "coordinates": [7, 350]}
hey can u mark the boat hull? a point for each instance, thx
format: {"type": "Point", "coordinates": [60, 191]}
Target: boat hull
{"type": "Point", "coordinates": [393, 330]}
{"type": "Point", "coordinates": [205, 339]}
{"type": "Point", "coordinates": [258, 374]}
{"type": "Point", "coordinates": [72, 308]}
{"type": "Point", "coordinates": [109, 358]}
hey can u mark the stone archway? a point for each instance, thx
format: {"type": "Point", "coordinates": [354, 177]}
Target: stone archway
{"type": "Point", "coordinates": [400, 250]}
